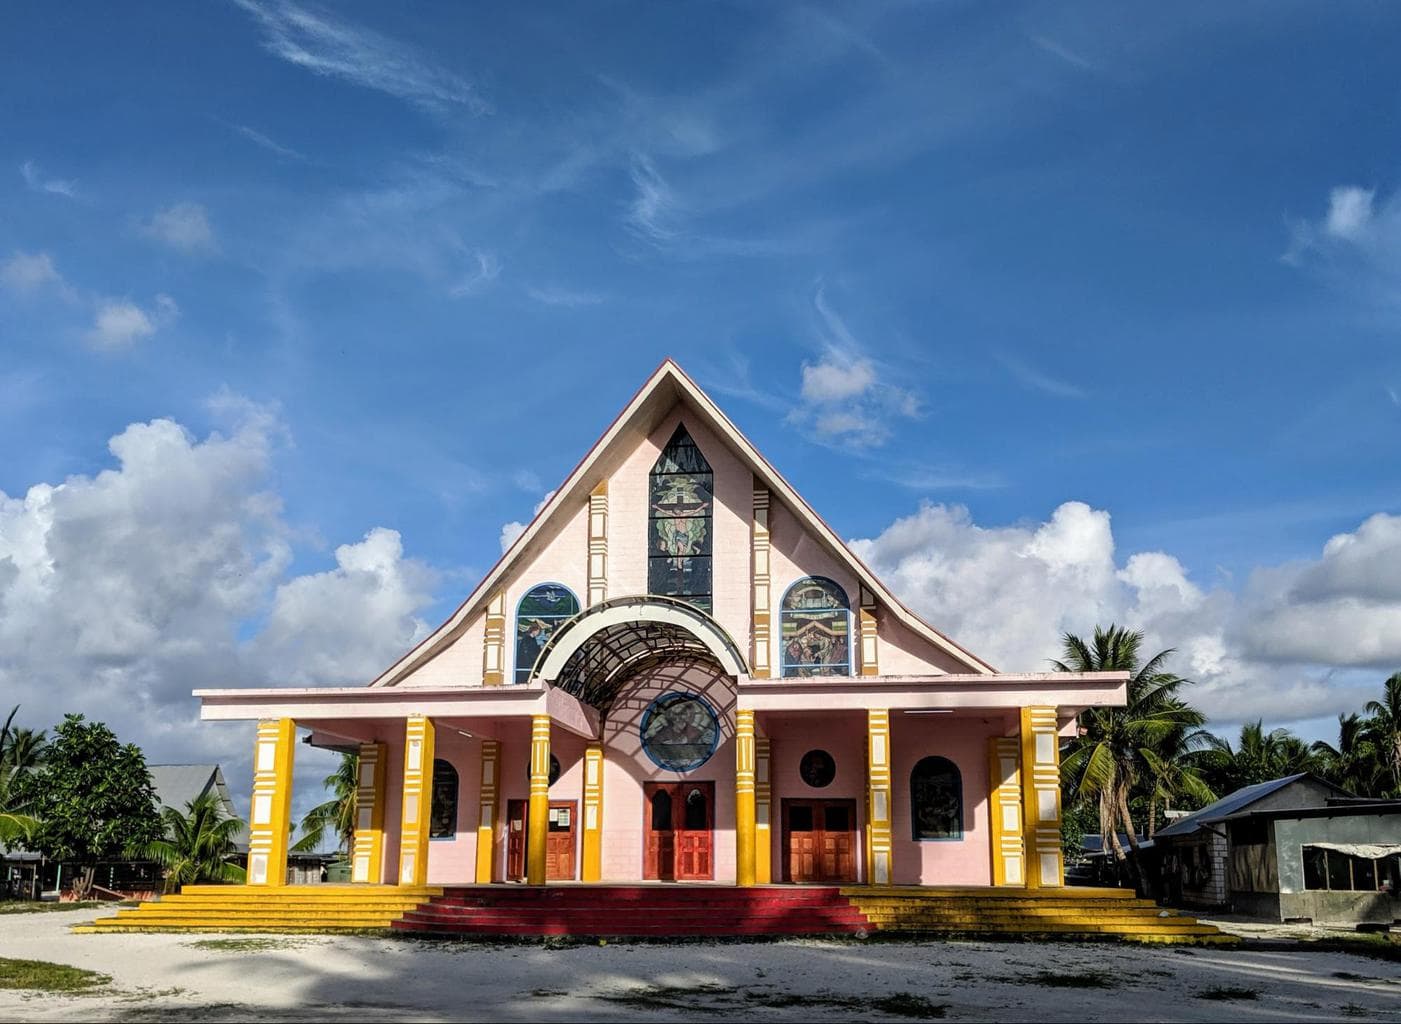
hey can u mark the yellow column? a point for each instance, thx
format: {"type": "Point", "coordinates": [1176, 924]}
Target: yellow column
{"type": "Point", "coordinates": [763, 799]}
{"type": "Point", "coordinates": [1004, 776]}
{"type": "Point", "coordinates": [367, 851]}
{"type": "Point", "coordinates": [591, 870]}
{"type": "Point", "coordinates": [878, 851]}
{"type": "Point", "coordinates": [270, 818]}
{"type": "Point", "coordinates": [866, 622]}
{"type": "Point", "coordinates": [494, 641]}
{"type": "Point", "coordinates": [744, 797]}
{"type": "Point", "coordinates": [537, 823]}
{"type": "Point", "coordinates": [1040, 743]}
{"type": "Point", "coordinates": [418, 797]}
{"type": "Point", "coordinates": [598, 544]}
{"type": "Point", "coordinates": [760, 628]}
{"type": "Point", "coordinates": [486, 811]}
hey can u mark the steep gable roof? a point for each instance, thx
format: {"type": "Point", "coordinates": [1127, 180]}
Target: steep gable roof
{"type": "Point", "coordinates": [667, 386]}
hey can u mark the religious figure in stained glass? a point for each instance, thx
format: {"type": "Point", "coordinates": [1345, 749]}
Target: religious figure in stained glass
{"type": "Point", "coordinates": [679, 522]}
{"type": "Point", "coordinates": [442, 818]}
{"type": "Point", "coordinates": [815, 624]}
{"type": "Point", "coordinates": [936, 799]}
{"type": "Point", "coordinates": [537, 617]}
{"type": "Point", "coordinates": [680, 731]}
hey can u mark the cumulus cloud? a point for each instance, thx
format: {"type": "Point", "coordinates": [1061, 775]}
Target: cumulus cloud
{"type": "Point", "coordinates": [184, 226]}
{"type": "Point", "coordinates": [120, 323]}
{"type": "Point", "coordinates": [1280, 648]}
{"type": "Point", "coordinates": [167, 571]}
{"type": "Point", "coordinates": [29, 272]}
{"type": "Point", "coordinates": [1354, 246]}
{"type": "Point", "coordinates": [845, 401]}
{"type": "Point", "coordinates": [512, 530]}
{"type": "Point", "coordinates": [1349, 211]}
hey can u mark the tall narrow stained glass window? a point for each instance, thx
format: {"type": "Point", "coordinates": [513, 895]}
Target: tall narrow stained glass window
{"type": "Point", "coordinates": [815, 622]}
{"type": "Point", "coordinates": [936, 799]}
{"type": "Point", "coordinates": [681, 500]}
{"type": "Point", "coordinates": [442, 818]}
{"type": "Point", "coordinates": [538, 615]}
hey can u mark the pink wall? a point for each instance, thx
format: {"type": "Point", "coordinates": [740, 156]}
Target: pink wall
{"type": "Point", "coordinates": [627, 767]}
{"type": "Point", "coordinates": [964, 741]}
{"type": "Point", "coordinates": [455, 860]}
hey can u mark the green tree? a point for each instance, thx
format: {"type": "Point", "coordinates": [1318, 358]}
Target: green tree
{"type": "Point", "coordinates": [1108, 759]}
{"type": "Point", "coordinates": [198, 845]}
{"type": "Point", "coordinates": [93, 798]}
{"type": "Point", "coordinates": [1385, 728]}
{"type": "Point", "coordinates": [15, 760]}
{"type": "Point", "coordinates": [1354, 764]}
{"type": "Point", "coordinates": [1175, 772]}
{"type": "Point", "coordinates": [336, 815]}
{"type": "Point", "coordinates": [1258, 756]}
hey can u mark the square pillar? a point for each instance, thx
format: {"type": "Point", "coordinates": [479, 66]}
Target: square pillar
{"type": "Point", "coordinates": [1040, 749]}
{"type": "Point", "coordinates": [1005, 784]}
{"type": "Point", "coordinates": [270, 819]}
{"type": "Point", "coordinates": [591, 868]}
{"type": "Point", "coordinates": [538, 811]}
{"type": "Point", "coordinates": [418, 801]}
{"type": "Point", "coordinates": [763, 801]}
{"type": "Point", "coordinates": [744, 797]}
{"type": "Point", "coordinates": [486, 811]}
{"type": "Point", "coordinates": [367, 849]}
{"type": "Point", "coordinates": [878, 844]}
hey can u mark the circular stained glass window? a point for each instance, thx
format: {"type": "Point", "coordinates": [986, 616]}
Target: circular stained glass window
{"type": "Point", "coordinates": [817, 768]}
{"type": "Point", "coordinates": [680, 731]}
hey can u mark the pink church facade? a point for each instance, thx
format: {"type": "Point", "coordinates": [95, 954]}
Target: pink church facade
{"type": "Point", "coordinates": [678, 672]}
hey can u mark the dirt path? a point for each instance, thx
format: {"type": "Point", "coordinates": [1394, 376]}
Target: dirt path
{"type": "Point", "coordinates": [276, 978]}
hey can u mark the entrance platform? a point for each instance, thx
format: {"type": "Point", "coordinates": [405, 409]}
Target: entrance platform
{"type": "Point", "coordinates": [670, 911]}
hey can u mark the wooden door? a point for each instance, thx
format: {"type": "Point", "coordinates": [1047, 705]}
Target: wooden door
{"type": "Point", "coordinates": [659, 860]}
{"type": "Point", "coordinates": [515, 840]}
{"type": "Point", "coordinates": [695, 820]}
{"type": "Point", "coordinates": [819, 840]}
{"type": "Point", "coordinates": [559, 842]}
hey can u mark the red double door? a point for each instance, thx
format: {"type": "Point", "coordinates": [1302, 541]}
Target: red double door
{"type": "Point", "coordinates": [680, 818]}
{"type": "Point", "coordinates": [819, 841]}
{"type": "Point", "coordinates": [559, 840]}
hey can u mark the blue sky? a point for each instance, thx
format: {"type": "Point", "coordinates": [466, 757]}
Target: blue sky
{"type": "Point", "coordinates": [953, 264]}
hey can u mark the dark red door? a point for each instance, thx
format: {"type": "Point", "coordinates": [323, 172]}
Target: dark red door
{"type": "Point", "coordinates": [680, 831]}
{"type": "Point", "coordinates": [819, 840]}
{"type": "Point", "coordinates": [515, 840]}
{"type": "Point", "coordinates": [559, 840]}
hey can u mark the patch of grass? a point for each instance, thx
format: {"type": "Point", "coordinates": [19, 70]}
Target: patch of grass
{"type": "Point", "coordinates": [1352, 1010]}
{"type": "Point", "coordinates": [42, 976]}
{"type": "Point", "coordinates": [1348, 976]}
{"type": "Point", "coordinates": [1080, 979]}
{"type": "Point", "coordinates": [897, 1004]}
{"type": "Point", "coordinates": [45, 907]}
{"type": "Point", "coordinates": [669, 997]}
{"type": "Point", "coordinates": [245, 945]}
{"type": "Point", "coordinates": [1224, 993]}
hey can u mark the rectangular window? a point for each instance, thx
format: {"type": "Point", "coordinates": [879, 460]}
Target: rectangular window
{"type": "Point", "coordinates": [1335, 871]}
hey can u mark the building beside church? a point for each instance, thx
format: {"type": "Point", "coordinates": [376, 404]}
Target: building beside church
{"type": "Point", "coordinates": [679, 672]}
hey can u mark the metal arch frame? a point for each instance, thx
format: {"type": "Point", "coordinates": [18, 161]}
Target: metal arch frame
{"type": "Point", "coordinates": [591, 654]}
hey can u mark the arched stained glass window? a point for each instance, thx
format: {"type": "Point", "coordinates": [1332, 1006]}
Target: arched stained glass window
{"type": "Point", "coordinates": [680, 500]}
{"type": "Point", "coordinates": [815, 625]}
{"type": "Point", "coordinates": [442, 819]}
{"type": "Point", "coordinates": [936, 799]}
{"type": "Point", "coordinates": [538, 615]}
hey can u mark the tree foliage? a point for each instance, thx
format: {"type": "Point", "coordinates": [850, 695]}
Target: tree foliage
{"type": "Point", "coordinates": [198, 845]}
{"type": "Point", "coordinates": [92, 796]}
{"type": "Point", "coordinates": [20, 751]}
{"type": "Point", "coordinates": [336, 815]}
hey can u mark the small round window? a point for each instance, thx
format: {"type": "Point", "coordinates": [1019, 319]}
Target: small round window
{"type": "Point", "coordinates": [817, 768]}
{"type": "Point", "coordinates": [680, 731]}
{"type": "Point", "coordinates": [554, 769]}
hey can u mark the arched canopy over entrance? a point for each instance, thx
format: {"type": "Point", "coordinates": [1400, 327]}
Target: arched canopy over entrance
{"type": "Point", "coordinates": [594, 653]}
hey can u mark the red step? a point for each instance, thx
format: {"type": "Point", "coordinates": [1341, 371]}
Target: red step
{"type": "Point", "coordinates": [642, 911]}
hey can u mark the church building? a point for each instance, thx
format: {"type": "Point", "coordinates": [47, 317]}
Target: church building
{"type": "Point", "coordinates": [678, 672]}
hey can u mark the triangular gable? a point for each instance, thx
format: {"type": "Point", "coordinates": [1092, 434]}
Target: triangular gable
{"type": "Point", "coordinates": [662, 391]}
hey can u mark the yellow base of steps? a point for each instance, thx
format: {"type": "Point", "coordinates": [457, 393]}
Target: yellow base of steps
{"type": "Point", "coordinates": [292, 908]}
{"type": "Point", "coordinates": [1052, 913]}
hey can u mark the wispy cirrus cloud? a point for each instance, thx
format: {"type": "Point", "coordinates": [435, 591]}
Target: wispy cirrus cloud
{"type": "Point", "coordinates": [267, 142]}
{"type": "Point", "coordinates": [183, 226]}
{"type": "Point", "coordinates": [38, 181]}
{"type": "Point", "coordinates": [568, 298]}
{"type": "Point", "coordinates": [29, 272]}
{"type": "Point", "coordinates": [335, 48]}
{"type": "Point", "coordinates": [845, 400]}
{"type": "Point", "coordinates": [1037, 380]}
{"type": "Point", "coordinates": [1355, 245]}
{"type": "Point", "coordinates": [1062, 52]}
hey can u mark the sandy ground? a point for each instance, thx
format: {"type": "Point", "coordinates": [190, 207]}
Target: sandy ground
{"type": "Point", "coordinates": [169, 977]}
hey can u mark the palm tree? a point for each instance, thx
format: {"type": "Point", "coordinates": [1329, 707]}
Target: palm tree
{"type": "Point", "coordinates": [1175, 772]}
{"type": "Point", "coordinates": [336, 815]}
{"type": "Point", "coordinates": [1111, 755]}
{"type": "Point", "coordinates": [1385, 727]}
{"type": "Point", "coordinates": [198, 844]}
{"type": "Point", "coordinates": [1259, 756]}
{"type": "Point", "coordinates": [18, 749]}
{"type": "Point", "coordinates": [1353, 764]}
